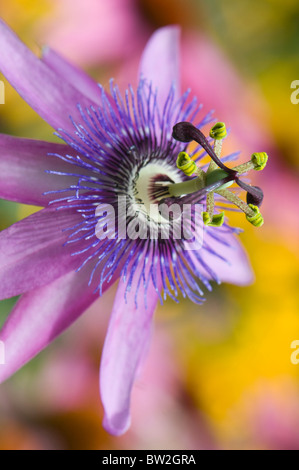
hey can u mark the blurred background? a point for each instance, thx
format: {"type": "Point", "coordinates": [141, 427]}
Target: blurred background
{"type": "Point", "coordinates": [218, 376]}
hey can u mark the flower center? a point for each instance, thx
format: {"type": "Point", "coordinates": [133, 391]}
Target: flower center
{"type": "Point", "coordinates": [147, 180]}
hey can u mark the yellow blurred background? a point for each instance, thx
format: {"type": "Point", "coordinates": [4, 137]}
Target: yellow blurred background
{"type": "Point", "coordinates": [219, 376]}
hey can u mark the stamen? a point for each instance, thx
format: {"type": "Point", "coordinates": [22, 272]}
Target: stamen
{"type": "Point", "coordinates": [218, 133]}
{"type": "Point", "coordinates": [218, 177]}
{"type": "Point", "coordinates": [259, 160]}
{"type": "Point", "coordinates": [256, 219]}
{"type": "Point", "coordinates": [209, 218]}
{"type": "Point", "coordinates": [186, 164]}
{"type": "Point", "coordinates": [229, 196]}
{"type": "Point", "coordinates": [210, 204]}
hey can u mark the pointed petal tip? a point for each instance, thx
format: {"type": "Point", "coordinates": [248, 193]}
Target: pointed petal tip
{"type": "Point", "coordinates": [249, 277]}
{"type": "Point", "coordinates": [232, 266]}
{"type": "Point", "coordinates": [160, 61]}
{"type": "Point", "coordinates": [125, 349]}
{"type": "Point", "coordinates": [242, 273]}
{"type": "Point", "coordinates": [173, 30]}
{"type": "Point", "coordinates": [245, 273]}
{"type": "Point", "coordinates": [118, 424]}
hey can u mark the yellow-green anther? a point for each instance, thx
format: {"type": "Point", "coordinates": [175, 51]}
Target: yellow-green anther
{"type": "Point", "coordinates": [218, 132]}
{"type": "Point", "coordinates": [186, 164]}
{"type": "Point", "coordinates": [216, 221]}
{"type": "Point", "coordinates": [256, 219]}
{"type": "Point", "coordinates": [206, 218]}
{"type": "Point", "coordinates": [259, 160]}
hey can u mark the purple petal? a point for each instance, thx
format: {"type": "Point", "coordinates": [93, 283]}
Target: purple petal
{"type": "Point", "coordinates": [160, 62]}
{"type": "Point", "coordinates": [51, 97]}
{"type": "Point", "coordinates": [32, 252]}
{"type": "Point", "coordinates": [237, 270]}
{"type": "Point", "coordinates": [75, 76]}
{"type": "Point", "coordinates": [23, 165]}
{"type": "Point", "coordinates": [40, 316]}
{"type": "Point", "coordinates": [126, 344]}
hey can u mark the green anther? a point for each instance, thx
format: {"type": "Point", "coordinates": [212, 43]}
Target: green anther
{"type": "Point", "coordinates": [259, 160]}
{"type": "Point", "coordinates": [216, 221]}
{"type": "Point", "coordinates": [206, 218]}
{"type": "Point", "coordinates": [218, 132]}
{"type": "Point", "coordinates": [186, 164]}
{"type": "Point", "coordinates": [256, 219]}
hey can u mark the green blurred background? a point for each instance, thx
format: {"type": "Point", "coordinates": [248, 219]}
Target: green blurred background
{"type": "Point", "coordinates": [218, 376]}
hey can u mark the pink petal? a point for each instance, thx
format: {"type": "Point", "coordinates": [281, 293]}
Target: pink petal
{"type": "Point", "coordinates": [75, 76]}
{"type": "Point", "coordinates": [32, 252]}
{"type": "Point", "coordinates": [126, 344]}
{"type": "Point", "coordinates": [114, 30]}
{"type": "Point", "coordinates": [54, 99]}
{"type": "Point", "coordinates": [160, 62]}
{"type": "Point", "coordinates": [238, 269]}
{"type": "Point", "coordinates": [40, 316]}
{"type": "Point", "coordinates": [23, 165]}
